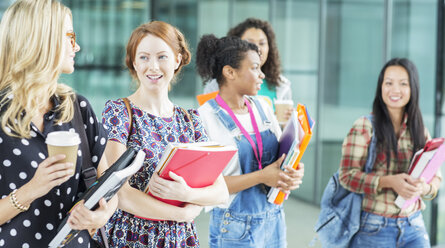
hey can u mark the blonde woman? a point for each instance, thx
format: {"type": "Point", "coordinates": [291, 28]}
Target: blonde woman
{"type": "Point", "coordinates": [37, 45]}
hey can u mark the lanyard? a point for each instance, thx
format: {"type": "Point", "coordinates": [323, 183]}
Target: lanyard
{"type": "Point", "coordinates": [224, 105]}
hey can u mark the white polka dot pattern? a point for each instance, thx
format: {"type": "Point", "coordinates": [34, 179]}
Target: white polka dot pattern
{"type": "Point", "coordinates": [19, 160]}
{"type": "Point", "coordinates": [16, 152]}
{"type": "Point", "coordinates": [12, 186]}
{"type": "Point", "coordinates": [34, 164]}
{"type": "Point", "coordinates": [7, 163]}
{"type": "Point", "coordinates": [27, 223]}
{"type": "Point", "coordinates": [47, 203]}
{"type": "Point", "coordinates": [41, 155]}
{"type": "Point", "coordinates": [22, 175]}
{"type": "Point", "coordinates": [49, 226]}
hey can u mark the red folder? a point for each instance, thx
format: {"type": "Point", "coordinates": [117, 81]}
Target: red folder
{"type": "Point", "coordinates": [198, 163]}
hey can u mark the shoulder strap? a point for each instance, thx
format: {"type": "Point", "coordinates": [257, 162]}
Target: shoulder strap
{"type": "Point", "coordinates": [225, 118]}
{"type": "Point", "coordinates": [130, 117]}
{"type": "Point", "coordinates": [372, 153]}
{"type": "Point", "coordinates": [190, 120]}
{"type": "Point", "coordinates": [259, 108]}
{"type": "Point", "coordinates": [89, 173]}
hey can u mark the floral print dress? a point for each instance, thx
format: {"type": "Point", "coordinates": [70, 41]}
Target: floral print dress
{"type": "Point", "coordinates": [151, 134]}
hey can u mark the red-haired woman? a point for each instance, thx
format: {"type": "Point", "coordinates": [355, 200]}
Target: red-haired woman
{"type": "Point", "coordinates": [156, 52]}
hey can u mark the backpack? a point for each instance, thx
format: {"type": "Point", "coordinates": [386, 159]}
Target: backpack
{"type": "Point", "coordinates": [339, 218]}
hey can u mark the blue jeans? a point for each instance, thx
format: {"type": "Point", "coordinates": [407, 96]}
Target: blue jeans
{"type": "Point", "coordinates": [382, 232]}
{"type": "Point", "coordinates": [264, 230]}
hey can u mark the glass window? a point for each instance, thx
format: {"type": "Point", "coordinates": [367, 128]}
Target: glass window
{"type": "Point", "coordinates": [352, 61]}
{"type": "Point", "coordinates": [414, 37]}
{"type": "Point", "coordinates": [103, 29]}
{"type": "Point", "coordinates": [296, 26]}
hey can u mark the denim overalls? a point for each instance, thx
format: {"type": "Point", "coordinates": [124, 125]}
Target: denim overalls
{"type": "Point", "coordinates": [250, 220]}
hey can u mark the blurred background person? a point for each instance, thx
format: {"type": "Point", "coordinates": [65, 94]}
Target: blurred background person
{"type": "Point", "coordinates": [275, 86]}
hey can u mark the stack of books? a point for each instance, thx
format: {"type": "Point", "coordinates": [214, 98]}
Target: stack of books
{"type": "Point", "coordinates": [425, 163]}
{"type": "Point", "coordinates": [199, 164]}
{"type": "Point", "coordinates": [293, 142]}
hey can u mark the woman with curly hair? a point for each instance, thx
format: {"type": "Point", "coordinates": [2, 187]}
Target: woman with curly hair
{"type": "Point", "coordinates": [260, 33]}
{"type": "Point", "coordinates": [237, 117]}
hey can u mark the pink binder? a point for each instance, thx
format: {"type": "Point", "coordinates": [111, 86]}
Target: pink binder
{"type": "Point", "coordinates": [428, 174]}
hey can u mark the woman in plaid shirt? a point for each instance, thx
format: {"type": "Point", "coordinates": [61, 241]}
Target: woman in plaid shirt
{"type": "Point", "coordinates": [400, 132]}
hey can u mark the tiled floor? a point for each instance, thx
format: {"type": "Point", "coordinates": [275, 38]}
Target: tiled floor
{"type": "Point", "coordinates": [300, 218]}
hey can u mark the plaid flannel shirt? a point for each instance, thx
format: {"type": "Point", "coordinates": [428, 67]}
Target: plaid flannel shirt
{"type": "Point", "coordinates": [352, 177]}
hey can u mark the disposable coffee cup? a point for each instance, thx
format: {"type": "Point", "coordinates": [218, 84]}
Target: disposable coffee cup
{"type": "Point", "coordinates": [281, 107]}
{"type": "Point", "coordinates": [63, 142]}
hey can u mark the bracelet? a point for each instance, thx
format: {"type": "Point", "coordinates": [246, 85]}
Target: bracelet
{"type": "Point", "coordinates": [16, 204]}
{"type": "Point", "coordinates": [431, 189]}
{"type": "Point", "coordinates": [432, 193]}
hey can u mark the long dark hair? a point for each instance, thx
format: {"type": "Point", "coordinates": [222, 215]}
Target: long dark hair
{"type": "Point", "coordinates": [213, 54]}
{"type": "Point", "coordinates": [384, 130]}
{"type": "Point", "coordinates": [272, 67]}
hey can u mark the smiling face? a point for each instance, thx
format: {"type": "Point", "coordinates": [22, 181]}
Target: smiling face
{"type": "Point", "coordinates": [259, 38]}
{"type": "Point", "coordinates": [249, 76]}
{"type": "Point", "coordinates": [155, 63]}
{"type": "Point", "coordinates": [69, 51]}
{"type": "Point", "coordinates": [396, 90]}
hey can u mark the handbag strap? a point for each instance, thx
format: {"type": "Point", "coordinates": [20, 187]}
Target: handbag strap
{"type": "Point", "coordinates": [190, 120]}
{"type": "Point", "coordinates": [89, 172]}
{"type": "Point", "coordinates": [130, 117]}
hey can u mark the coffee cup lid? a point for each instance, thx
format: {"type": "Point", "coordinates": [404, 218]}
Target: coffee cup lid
{"type": "Point", "coordinates": [62, 138]}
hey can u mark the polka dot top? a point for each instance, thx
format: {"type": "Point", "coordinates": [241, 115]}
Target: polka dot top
{"type": "Point", "coordinates": [19, 159]}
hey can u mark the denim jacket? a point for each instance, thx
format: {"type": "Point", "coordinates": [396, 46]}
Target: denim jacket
{"type": "Point", "coordinates": [339, 217]}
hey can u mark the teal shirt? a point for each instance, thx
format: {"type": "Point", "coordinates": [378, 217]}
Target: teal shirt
{"type": "Point", "coordinates": [265, 91]}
